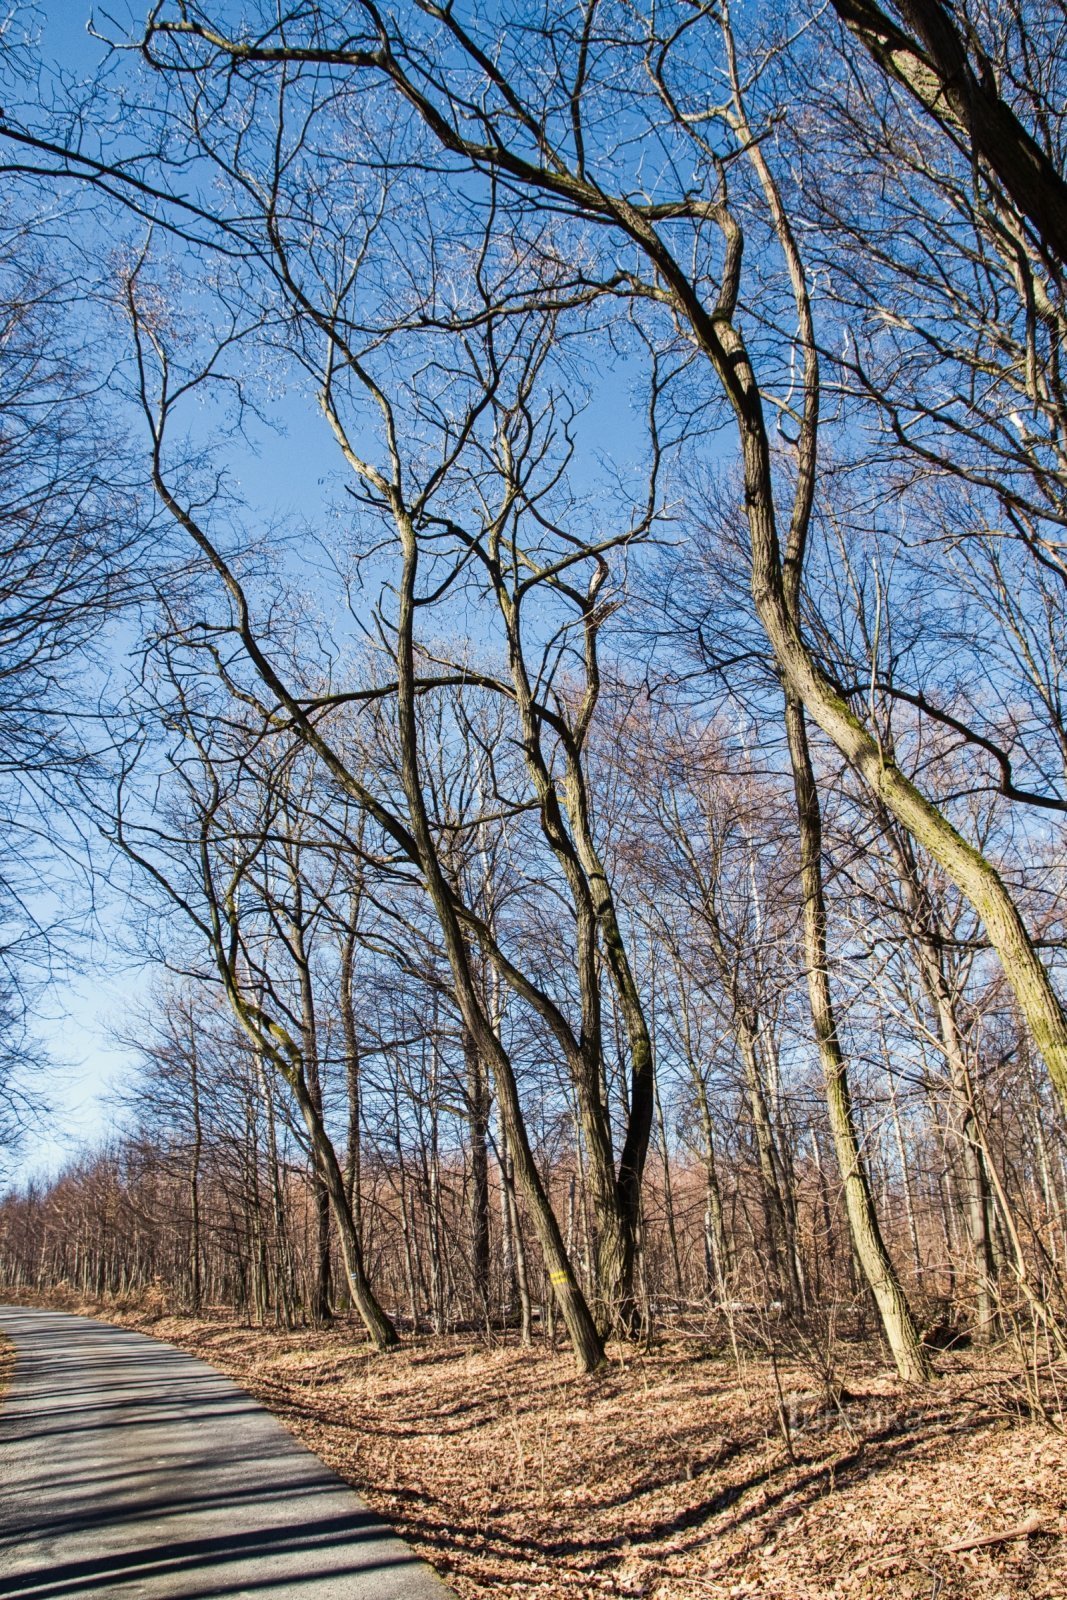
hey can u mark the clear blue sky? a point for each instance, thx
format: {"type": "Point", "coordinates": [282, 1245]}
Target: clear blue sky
{"type": "Point", "coordinates": [85, 1012]}
{"type": "Point", "coordinates": [279, 483]}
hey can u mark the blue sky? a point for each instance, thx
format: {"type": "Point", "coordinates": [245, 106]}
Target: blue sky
{"type": "Point", "coordinates": [278, 482]}
{"type": "Point", "coordinates": [82, 1014]}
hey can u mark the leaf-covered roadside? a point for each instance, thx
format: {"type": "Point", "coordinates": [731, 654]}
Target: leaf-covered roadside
{"type": "Point", "coordinates": [7, 1363]}
{"type": "Point", "coordinates": [668, 1476]}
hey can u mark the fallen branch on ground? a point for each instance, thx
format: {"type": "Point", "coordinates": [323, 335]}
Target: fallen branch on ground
{"type": "Point", "coordinates": [1022, 1530]}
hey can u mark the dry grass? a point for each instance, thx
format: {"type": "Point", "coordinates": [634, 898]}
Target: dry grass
{"type": "Point", "coordinates": [669, 1475]}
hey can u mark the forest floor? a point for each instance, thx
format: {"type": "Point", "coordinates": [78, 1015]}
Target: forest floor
{"type": "Point", "coordinates": [671, 1475]}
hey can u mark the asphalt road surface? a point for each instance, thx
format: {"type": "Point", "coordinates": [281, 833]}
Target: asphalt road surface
{"type": "Point", "coordinates": [128, 1469]}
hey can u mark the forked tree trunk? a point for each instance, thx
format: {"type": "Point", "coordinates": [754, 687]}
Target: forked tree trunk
{"type": "Point", "coordinates": [952, 78]}
{"type": "Point", "coordinates": [585, 1337]}
{"type": "Point", "coordinates": [567, 828]}
{"type": "Point", "coordinates": [382, 1333]}
{"type": "Point", "coordinates": [271, 1040]}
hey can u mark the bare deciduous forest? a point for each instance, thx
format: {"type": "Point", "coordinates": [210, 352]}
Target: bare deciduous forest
{"type": "Point", "coordinates": [533, 580]}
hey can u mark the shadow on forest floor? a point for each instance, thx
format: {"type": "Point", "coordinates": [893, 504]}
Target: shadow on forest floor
{"type": "Point", "coordinates": [668, 1475]}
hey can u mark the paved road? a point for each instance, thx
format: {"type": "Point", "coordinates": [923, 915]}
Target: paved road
{"type": "Point", "coordinates": [128, 1469]}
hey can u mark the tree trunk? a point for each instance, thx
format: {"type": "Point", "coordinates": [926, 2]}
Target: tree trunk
{"type": "Point", "coordinates": [585, 1337]}
{"type": "Point", "coordinates": [934, 64]}
{"type": "Point", "coordinates": [320, 1282]}
{"type": "Point", "coordinates": [354, 1131]}
{"type": "Point", "coordinates": [478, 1123]}
{"type": "Point", "coordinates": [975, 877]}
{"type": "Point", "coordinates": [977, 1192]}
{"type": "Point", "coordinates": [522, 1276]}
{"type": "Point", "coordinates": [379, 1327]}
{"type": "Point", "coordinates": [897, 1321]}
{"type": "Point", "coordinates": [778, 1208]}
{"type": "Point", "coordinates": [195, 1282]}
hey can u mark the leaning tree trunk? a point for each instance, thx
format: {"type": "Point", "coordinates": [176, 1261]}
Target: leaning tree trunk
{"type": "Point", "coordinates": [382, 1333]}
{"type": "Point", "coordinates": [975, 877]}
{"type": "Point", "coordinates": [775, 592]}
{"type": "Point", "coordinates": [897, 1321]}
{"type": "Point", "coordinates": [271, 1039]}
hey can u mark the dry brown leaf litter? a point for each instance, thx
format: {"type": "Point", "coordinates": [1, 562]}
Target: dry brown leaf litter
{"type": "Point", "coordinates": [7, 1362]}
{"type": "Point", "coordinates": [667, 1477]}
